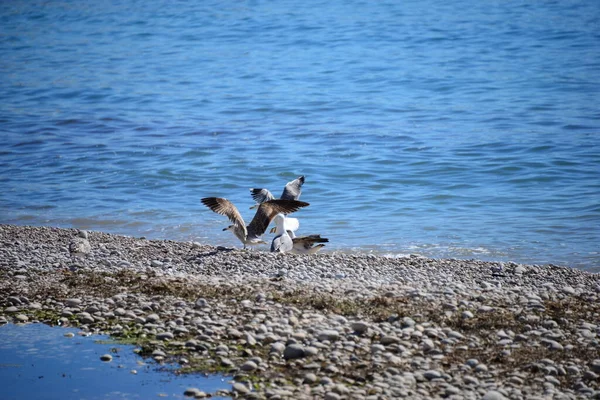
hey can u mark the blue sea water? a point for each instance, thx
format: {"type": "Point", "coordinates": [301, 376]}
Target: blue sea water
{"type": "Point", "coordinates": [38, 362]}
{"type": "Point", "coordinates": [465, 129]}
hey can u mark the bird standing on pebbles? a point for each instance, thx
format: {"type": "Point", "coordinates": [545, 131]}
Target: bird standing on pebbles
{"type": "Point", "coordinates": [282, 243]}
{"type": "Point", "coordinates": [252, 234]}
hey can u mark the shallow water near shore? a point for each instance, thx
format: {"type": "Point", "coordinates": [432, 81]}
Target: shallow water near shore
{"type": "Point", "coordinates": [461, 130]}
{"type": "Point", "coordinates": [38, 361]}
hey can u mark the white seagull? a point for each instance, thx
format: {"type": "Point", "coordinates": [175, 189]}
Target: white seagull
{"type": "Point", "coordinates": [252, 234]}
{"type": "Point", "coordinates": [286, 241]}
{"type": "Point", "coordinates": [282, 242]}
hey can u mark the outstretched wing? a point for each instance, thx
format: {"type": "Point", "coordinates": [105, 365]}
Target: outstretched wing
{"type": "Point", "coordinates": [293, 189]}
{"type": "Point", "coordinates": [261, 195]}
{"type": "Point", "coordinates": [268, 210]}
{"type": "Point", "coordinates": [225, 207]}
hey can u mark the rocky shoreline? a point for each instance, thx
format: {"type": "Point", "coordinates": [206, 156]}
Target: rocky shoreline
{"type": "Point", "coordinates": [331, 326]}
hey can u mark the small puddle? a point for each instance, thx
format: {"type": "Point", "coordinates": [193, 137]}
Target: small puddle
{"type": "Point", "coordinates": [38, 361]}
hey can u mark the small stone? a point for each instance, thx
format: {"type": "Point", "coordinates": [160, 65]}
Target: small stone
{"type": "Point", "coordinates": [249, 366]}
{"type": "Point", "coordinates": [472, 362]}
{"type": "Point", "coordinates": [332, 396]}
{"type": "Point", "coordinates": [311, 351]}
{"type": "Point", "coordinates": [194, 392]}
{"type": "Point", "coordinates": [481, 368]}
{"type": "Point", "coordinates": [590, 375]}
{"type": "Point", "coordinates": [360, 327]}
{"type": "Point", "coordinates": [164, 336]}
{"type": "Point", "coordinates": [106, 357]}
{"type": "Point", "coordinates": [467, 314]}
{"type": "Point", "coordinates": [15, 301]}
{"type": "Point", "coordinates": [485, 309]}
{"type": "Point", "coordinates": [427, 345]}
{"type": "Point", "coordinates": [568, 290]}
{"type": "Point", "coordinates": [553, 344]}
{"type": "Point", "coordinates": [226, 362]}
{"type": "Point", "coordinates": [387, 340]}
{"type": "Point", "coordinates": [191, 392]}
{"type": "Point", "coordinates": [152, 318]}
{"type": "Point", "coordinates": [240, 388]}
{"type": "Point", "coordinates": [330, 335]}
{"type": "Point", "coordinates": [310, 378]}
{"type": "Point", "coordinates": [573, 370]}
{"type": "Point", "coordinates": [250, 340]}
{"type": "Point", "coordinates": [432, 374]}
{"type": "Point", "coordinates": [520, 270]}
{"type": "Point", "coordinates": [493, 395]}
{"type": "Point", "coordinates": [277, 347]}
{"type": "Point", "coordinates": [201, 303]}
{"type": "Point", "coordinates": [22, 318]}
{"type": "Point", "coordinates": [293, 351]}
{"type": "Point", "coordinates": [156, 264]}
{"type": "Point", "coordinates": [73, 302]}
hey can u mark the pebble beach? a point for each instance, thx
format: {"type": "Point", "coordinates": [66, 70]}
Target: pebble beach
{"type": "Point", "coordinates": [325, 326]}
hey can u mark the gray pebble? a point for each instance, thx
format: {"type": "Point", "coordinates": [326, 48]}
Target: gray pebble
{"type": "Point", "coordinates": [493, 395]}
{"type": "Point", "coordinates": [330, 335]}
{"type": "Point", "coordinates": [293, 351]}
{"type": "Point", "coordinates": [240, 388]}
{"type": "Point", "coordinates": [164, 336]}
{"type": "Point", "coordinates": [360, 327]}
{"type": "Point", "coordinates": [432, 374]}
{"type": "Point", "coordinates": [249, 366]}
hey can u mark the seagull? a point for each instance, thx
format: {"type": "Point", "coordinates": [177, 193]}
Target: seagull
{"type": "Point", "coordinates": [284, 229]}
{"type": "Point", "coordinates": [282, 242]}
{"type": "Point", "coordinates": [291, 191]}
{"type": "Point", "coordinates": [251, 234]}
{"type": "Point", "coordinates": [306, 244]}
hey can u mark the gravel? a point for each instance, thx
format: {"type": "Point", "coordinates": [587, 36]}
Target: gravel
{"type": "Point", "coordinates": [330, 325]}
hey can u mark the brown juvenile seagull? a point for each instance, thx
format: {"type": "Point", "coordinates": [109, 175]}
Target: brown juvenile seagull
{"type": "Point", "coordinates": [307, 244]}
{"type": "Point", "coordinates": [291, 191]}
{"type": "Point", "coordinates": [252, 234]}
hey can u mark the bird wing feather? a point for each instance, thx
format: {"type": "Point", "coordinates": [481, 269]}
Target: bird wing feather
{"type": "Point", "coordinates": [261, 195]}
{"type": "Point", "coordinates": [308, 241]}
{"type": "Point", "coordinates": [225, 207]}
{"type": "Point", "coordinates": [268, 210]}
{"type": "Point", "coordinates": [293, 189]}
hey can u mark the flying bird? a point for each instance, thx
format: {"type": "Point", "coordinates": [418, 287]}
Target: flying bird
{"type": "Point", "coordinates": [291, 191]}
{"type": "Point", "coordinates": [252, 234]}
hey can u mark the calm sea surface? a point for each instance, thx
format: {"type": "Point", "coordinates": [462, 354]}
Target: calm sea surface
{"type": "Point", "coordinates": [38, 362]}
{"type": "Point", "coordinates": [465, 129]}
